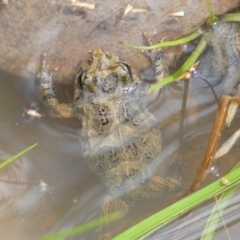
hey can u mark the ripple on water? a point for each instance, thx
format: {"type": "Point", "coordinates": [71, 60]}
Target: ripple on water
{"type": "Point", "coordinates": [12, 178]}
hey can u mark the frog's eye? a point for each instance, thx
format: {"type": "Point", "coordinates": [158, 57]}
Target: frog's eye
{"type": "Point", "coordinates": [90, 60]}
{"type": "Point", "coordinates": [126, 66]}
{"type": "Point", "coordinates": [80, 79]}
{"type": "Point", "coordinates": [79, 84]}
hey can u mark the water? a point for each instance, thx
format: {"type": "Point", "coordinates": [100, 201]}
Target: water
{"type": "Point", "coordinates": [74, 195]}
{"type": "Point", "coordinates": [55, 161]}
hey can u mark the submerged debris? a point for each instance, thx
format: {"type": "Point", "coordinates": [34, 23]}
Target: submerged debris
{"type": "Point", "coordinates": [33, 113]}
{"type": "Point", "coordinates": [3, 3]}
{"type": "Point", "coordinates": [83, 4]}
{"type": "Point", "coordinates": [130, 8]}
{"type": "Point", "coordinates": [43, 186]}
{"type": "Point", "coordinates": [178, 14]}
{"type": "Point", "coordinates": [127, 10]}
{"type": "Point", "coordinates": [225, 181]}
{"type": "Point", "coordinates": [189, 73]}
{"type": "Point", "coordinates": [139, 10]}
{"type": "Point", "coordinates": [225, 148]}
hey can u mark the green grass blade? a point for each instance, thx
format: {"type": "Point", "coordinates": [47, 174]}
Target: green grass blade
{"type": "Point", "coordinates": [168, 44]}
{"type": "Point", "coordinates": [3, 164]}
{"type": "Point", "coordinates": [85, 227]}
{"type": "Point", "coordinates": [177, 209]}
{"type": "Point", "coordinates": [230, 17]}
{"type": "Point", "coordinates": [185, 67]}
{"type": "Point", "coordinates": [217, 211]}
{"type": "Point", "coordinates": [212, 19]}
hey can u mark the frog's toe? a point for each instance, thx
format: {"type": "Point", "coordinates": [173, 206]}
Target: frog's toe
{"type": "Point", "coordinates": [115, 205]}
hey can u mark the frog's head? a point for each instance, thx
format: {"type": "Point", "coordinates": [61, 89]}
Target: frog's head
{"type": "Point", "coordinates": [102, 74]}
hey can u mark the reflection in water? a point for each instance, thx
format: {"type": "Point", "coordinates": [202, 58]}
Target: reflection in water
{"type": "Point", "coordinates": [184, 229]}
{"type": "Point", "coordinates": [12, 179]}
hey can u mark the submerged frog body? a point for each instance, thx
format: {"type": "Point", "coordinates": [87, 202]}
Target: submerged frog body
{"type": "Point", "coordinates": [121, 138]}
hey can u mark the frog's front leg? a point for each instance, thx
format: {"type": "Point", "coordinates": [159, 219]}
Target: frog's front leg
{"type": "Point", "coordinates": [111, 206]}
{"type": "Point", "coordinates": [160, 66]}
{"type": "Point", "coordinates": [55, 109]}
{"type": "Point", "coordinates": [159, 61]}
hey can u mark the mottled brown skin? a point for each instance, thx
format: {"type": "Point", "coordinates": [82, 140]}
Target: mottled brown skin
{"type": "Point", "coordinates": [121, 138]}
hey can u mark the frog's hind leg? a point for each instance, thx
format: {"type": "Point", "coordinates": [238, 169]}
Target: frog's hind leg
{"type": "Point", "coordinates": [111, 206]}
{"type": "Point", "coordinates": [55, 109]}
{"type": "Point", "coordinates": [158, 185]}
{"type": "Point", "coordinates": [114, 205]}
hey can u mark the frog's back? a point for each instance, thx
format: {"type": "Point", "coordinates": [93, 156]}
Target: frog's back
{"type": "Point", "coordinates": [121, 138]}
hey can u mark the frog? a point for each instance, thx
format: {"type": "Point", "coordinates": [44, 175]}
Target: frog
{"type": "Point", "coordinates": [121, 138]}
